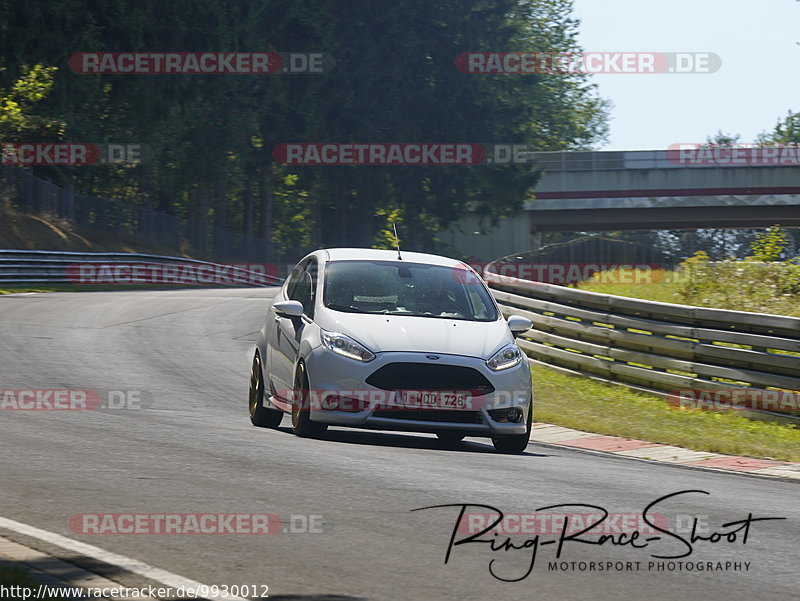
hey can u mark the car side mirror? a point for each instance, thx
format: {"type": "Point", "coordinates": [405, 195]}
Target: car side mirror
{"type": "Point", "coordinates": [290, 308]}
{"type": "Point", "coordinates": [518, 324]}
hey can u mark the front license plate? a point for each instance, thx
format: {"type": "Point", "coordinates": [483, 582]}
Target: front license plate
{"type": "Point", "coordinates": [436, 399]}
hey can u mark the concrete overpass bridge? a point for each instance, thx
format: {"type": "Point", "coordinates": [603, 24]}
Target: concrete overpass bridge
{"type": "Point", "coordinates": [681, 188]}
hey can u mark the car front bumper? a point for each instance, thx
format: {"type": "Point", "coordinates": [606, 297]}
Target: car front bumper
{"type": "Point", "coordinates": [331, 375]}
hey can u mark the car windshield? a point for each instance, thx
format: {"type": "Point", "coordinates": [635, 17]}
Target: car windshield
{"type": "Point", "coordinates": [401, 288]}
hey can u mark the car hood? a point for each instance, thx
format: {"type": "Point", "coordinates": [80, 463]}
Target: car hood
{"type": "Point", "coordinates": [403, 333]}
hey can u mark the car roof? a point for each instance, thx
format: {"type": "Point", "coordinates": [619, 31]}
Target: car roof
{"type": "Point", "coordinates": [372, 254]}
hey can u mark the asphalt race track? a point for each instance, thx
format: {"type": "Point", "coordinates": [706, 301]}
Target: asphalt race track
{"type": "Point", "coordinates": [189, 447]}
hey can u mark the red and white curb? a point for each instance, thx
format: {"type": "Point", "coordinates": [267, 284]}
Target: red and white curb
{"type": "Point", "coordinates": [642, 449]}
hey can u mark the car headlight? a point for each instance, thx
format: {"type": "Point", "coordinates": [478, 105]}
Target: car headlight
{"type": "Point", "coordinates": [506, 358]}
{"type": "Point", "coordinates": [346, 347]}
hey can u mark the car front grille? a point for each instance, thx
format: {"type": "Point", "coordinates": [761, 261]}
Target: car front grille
{"type": "Point", "coordinates": [429, 376]}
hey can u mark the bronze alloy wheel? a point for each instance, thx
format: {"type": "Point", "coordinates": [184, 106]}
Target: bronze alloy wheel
{"type": "Point", "coordinates": [301, 419]}
{"type": "Point", "coordinates": [260, 415]}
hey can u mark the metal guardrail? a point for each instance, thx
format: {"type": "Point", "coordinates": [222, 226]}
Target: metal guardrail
{"type": "Point", "coordinates": [651, 346]}
{"type": "Point", "coordinates": [41, 266]}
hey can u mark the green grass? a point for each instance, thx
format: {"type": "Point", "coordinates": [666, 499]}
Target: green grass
{"type": "Point", "coordinates": [583, 404]}
{"type": "Point", "coordinates": [52, 288]}
{"type": "Point", "coordinates": [737, 286]}
{"type": "Point", "coordinates": [665, 292]}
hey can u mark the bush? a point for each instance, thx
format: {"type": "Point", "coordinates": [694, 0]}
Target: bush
{"type": "Point", "coordinates": [749, 285]}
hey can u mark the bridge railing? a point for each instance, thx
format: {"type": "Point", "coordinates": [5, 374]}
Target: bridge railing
{"type": "Point", "coordinates": [672, 351]}
{"type": "Point", "coordinates": [602, 160]}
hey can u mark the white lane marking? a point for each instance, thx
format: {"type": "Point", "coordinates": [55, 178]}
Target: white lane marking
{"type": "Point", "coordinates": [126, 563]}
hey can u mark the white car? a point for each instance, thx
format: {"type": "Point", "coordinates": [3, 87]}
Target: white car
{"type": "Point", "coordinates": [391, 340]}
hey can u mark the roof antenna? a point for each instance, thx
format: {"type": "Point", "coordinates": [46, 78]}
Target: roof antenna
{"type": "Point", "coordinates": [397, 241]}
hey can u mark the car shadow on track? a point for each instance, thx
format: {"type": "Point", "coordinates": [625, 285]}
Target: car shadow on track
{"type": "Point", "coordinates": [406, 440]}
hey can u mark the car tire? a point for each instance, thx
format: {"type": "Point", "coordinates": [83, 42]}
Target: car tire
{"type": "Point", "coordinates": [515, 444]}
{"type": "Point", "coordinates": [449, 437]}
{"type": "Point", "coordinates": [259, 415]}
{"type": "Point", "coordinates": [301, 419]}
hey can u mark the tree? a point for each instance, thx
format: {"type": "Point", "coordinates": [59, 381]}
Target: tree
{"type": "Point", "coordinates": [786, 131]}
{"type": "Point", "coordinates": [769, 245]}
{"type": "Point", "coordinates": [723, 139]}
{"type": "Point", "coordinates": [19, 119]}
{"type": "Point", "coordinates": [209, 138]}
{"type": "Point", "coordinates": [401, 85]}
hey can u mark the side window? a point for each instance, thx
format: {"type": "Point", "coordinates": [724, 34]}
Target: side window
{"type": "Point", "coordinates": [313, 281]}
{"type": "Point", "coordinates": [292, 280]}
{"type": "Point", "coordinates": [304, 287]}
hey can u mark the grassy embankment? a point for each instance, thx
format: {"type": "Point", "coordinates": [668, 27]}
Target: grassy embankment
{"type": "Point", "coordinates": [596, 407]}
{"type": "Point", "coordinates": [41, 232]}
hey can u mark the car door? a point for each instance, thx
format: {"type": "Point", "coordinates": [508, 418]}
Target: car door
{"type": "Point", "coordinates": [288, 332]}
